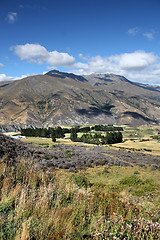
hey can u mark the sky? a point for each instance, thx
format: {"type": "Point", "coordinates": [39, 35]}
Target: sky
{"type": "Point", "coordinates": [80, 36]}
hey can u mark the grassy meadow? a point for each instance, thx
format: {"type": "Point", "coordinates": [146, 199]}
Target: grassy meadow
{"type": "Point", "coordinates": [97, 203]}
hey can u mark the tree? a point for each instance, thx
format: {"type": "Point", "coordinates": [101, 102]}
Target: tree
{"type": "Point", "coordinates": [73, 135]}
{"type": "Point", "coordinates": [59, 132]}
{"type": "Point", "coordinates": [53, 139]}
{"type": "Point", "coordinates": [53, 135]}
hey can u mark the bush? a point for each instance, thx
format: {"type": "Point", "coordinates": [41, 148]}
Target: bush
{"type": "Point", "coordinates": [131, 181]}
{"type": "Point", "coordinates": [81, 180]}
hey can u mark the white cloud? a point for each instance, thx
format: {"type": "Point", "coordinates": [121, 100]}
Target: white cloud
{"type": "Point", "coordinates": [135, 61]}
{"type": "Point", "coordinates": [11, 17]}
{"type": "Point", "coordinates": [148, 76]}
{"type": "Point", "coordinates": [59, 59]}
{"type": "Point", "coordinates": [97, 64]}
{"type": "Point", "coordinates": [80, 65]}
{"type": "Point", "coordinates": [148, 35]}
{"type": "Point", "coordinates": [1, 65]}
{"type": "Point", "coordinates": [4, 77]}
{"type": "Point", "coordinates": [138, 66]}
{"type": "Point", "coordinates": [39, 54]}
{"type": "Point", "coordinates": [133, 31]}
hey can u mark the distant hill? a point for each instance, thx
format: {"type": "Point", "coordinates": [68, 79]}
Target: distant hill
{"type": "Point", "coordinates": [59, 98]}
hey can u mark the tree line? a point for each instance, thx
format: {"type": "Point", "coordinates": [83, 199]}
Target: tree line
{"type": "Point", "coordinates": [107, 128]}
{"type": "Point", "coordinates": [97, 138]}
{"type": "Point", "coordinates": [60, 132]}
{"type": "Point", "coordinates": [57, 132]}
{"type": "Point", "coordinates": [113, 134]}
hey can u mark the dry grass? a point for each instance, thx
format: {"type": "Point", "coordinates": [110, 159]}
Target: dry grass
{"type": "Point", "coordinates": [12, 133]}
{"type": "Point", "coordinates": [117, 173]}
{"type": "Point", "coordinates": [152, 146]}
{"type": "Point", "coordinates": [63, 205]}
{"type": "Point", "coordinates": [140, 139]}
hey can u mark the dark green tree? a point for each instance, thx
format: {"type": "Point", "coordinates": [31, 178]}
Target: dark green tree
{"type": "Point", "coordinates": [53, 135]}
{"type": "Point", "coordinates": [59, 132]}
{"type": "Point", "coordinates": [73, 135]}
{"type": "Point", "coordinates": [53, 139]}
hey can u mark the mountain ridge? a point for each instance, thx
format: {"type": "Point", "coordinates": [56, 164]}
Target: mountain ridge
{"type": "Point", "coordinates": [59, 98]}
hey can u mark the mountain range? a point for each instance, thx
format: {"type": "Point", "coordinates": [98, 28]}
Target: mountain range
{"type": "Point", "coordinates": [59, 98]}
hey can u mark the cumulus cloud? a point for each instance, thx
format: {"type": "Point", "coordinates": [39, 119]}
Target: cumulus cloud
{"type": "Point", "coordinates": [134, 61]}
{"type": "Point", "coordinates": [133, 31]}
{"type": "Point", "coordinates": [138, 66]}
{"type": "Point", "coordinates": [1, 65]}
{"type": "Point", "coordinates": [12, 17]}
{"type": "Point", "coordinates": [39, 54]}
{"type": "Point", "coordinates": [148, 35]}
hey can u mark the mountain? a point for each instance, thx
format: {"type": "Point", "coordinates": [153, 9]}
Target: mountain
{"type": "Point", "coordinates": [59, 98]}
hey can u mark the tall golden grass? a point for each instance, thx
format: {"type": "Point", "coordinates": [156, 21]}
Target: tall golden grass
{"type": "Point", "coordinates": [58, 205]}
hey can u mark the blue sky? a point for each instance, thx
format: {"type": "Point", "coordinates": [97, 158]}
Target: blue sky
{"type": "Point", "coordinates": [80, 36]}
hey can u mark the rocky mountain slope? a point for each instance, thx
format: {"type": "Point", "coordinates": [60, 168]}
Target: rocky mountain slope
{"type": "Point", "coordinates": [58, 98]}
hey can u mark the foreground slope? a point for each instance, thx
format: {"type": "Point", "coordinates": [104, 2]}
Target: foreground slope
{"type": "Point", "coordinates": [38, 200]}
{"type": "Point", "coordinates": [63, 99]}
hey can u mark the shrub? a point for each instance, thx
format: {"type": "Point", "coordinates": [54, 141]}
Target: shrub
{"type": "Point", "coordinates": [81, 180]}
{"type": "Point", "coordinates": [131, 181]}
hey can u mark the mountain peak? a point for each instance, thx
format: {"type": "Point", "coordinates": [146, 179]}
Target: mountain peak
{"type": "Point", "coordinates": [56, 73]}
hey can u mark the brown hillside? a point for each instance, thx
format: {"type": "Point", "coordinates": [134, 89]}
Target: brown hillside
{"type": "Point", "coordinates": [63, 99]}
